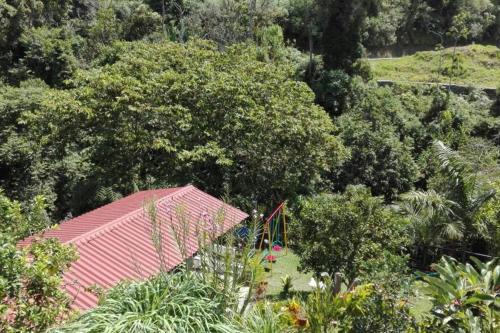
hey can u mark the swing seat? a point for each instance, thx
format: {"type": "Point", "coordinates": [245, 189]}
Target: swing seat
{"type": "Point", "coordinates": [271, 258]}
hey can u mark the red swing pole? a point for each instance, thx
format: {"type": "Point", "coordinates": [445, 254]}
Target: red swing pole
{"type": "Point", "coordinates": [275, 211]}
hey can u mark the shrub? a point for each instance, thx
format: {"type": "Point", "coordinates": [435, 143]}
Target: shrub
{"type": "Point", "coordinates": [30, 279]}
{"type": "Point", "coordinates": [364, 308]}
{"type": "Point", "coordinates": [167, 303]}
{"type": "Point", "coordinates": [455, 68]}
{"type": "Point", "coordinates": [378, 159]}
{"type": "Point", "coordinates": [286, 284]}
{"type": "Point", "coordinates": [345, 232]}
{"type": "Point", "coordinates": [362, 68]}
{"type": "Point", "coordinates": [20, 222]}
{"type": "Point", "coordinates": [464, 296]}
{"type": "Point", "coordinates": [332, 90]}
{"type": "Point", "coordinates": [264, 317]}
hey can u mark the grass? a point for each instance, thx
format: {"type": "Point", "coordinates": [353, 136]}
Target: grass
{"type": "Point", "coordinates": [286, 264]}
{"type": "Point", "coordinates": [479, 65]}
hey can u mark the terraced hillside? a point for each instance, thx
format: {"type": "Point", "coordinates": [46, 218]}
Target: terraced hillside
{"type": "Point", "coordinates": [475, 65]}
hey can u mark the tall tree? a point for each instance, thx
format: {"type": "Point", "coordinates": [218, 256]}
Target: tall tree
{"type": "Point", "coordinates": [342, 34]}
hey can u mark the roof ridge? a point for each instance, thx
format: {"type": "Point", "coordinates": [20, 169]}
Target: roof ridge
{"type": "Point", "coordinates": [106, 226]}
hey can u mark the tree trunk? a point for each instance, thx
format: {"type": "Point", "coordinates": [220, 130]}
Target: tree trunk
{"type": "Point", "coordinates": [309, 75]}
{"type": "Point", "coordinates": [251, 18]}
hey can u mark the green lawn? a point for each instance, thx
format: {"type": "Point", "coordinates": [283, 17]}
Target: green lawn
{"type": "Point", "coordinates": [480, 67]}
{"type": "Point", "coordinates": [286, 264]}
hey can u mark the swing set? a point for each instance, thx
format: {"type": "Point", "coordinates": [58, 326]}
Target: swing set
{"type": "Point", "coordinates": [276, 230]}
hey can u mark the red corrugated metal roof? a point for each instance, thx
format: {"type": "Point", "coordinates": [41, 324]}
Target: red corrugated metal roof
{"type": "Point", "coordinates": [114, 241]}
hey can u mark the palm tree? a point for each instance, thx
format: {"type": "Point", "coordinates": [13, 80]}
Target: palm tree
{"type": "Point", "coordinates": [449, 215]}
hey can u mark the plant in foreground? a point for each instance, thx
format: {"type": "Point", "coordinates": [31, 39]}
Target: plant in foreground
{"type": "Point", "coordinates": [225, 262]}
{"type": "Point", "coordinates": [30, 295]}
{"type": "Point", "coordinates": [286, 284]}
{"type": "Point", "coordinates": [363, 308]}
{"type": "Point", "coordinates": [180, 302]}
{"type": "Point", "coordinates": [264, 317]}
{"type": "Point", "coordinates": [465, 297]}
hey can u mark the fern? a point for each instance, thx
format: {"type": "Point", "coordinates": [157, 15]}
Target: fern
{"type": "Point", "coordinates": [106, 195]}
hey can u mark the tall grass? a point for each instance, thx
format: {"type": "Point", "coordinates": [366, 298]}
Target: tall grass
{"type": "Point", "coordinates": [225, 262]}
{"type": "Point", "coordinates": [262, 318]}
{"type": "Point", "coordinates": [180, 302]}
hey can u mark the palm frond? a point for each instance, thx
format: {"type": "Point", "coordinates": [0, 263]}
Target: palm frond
{"type": "Point", "coordinates": [479, 200]}
{"type": "Point", "coordinates": [452, 229]}
{"type": "Point", "coordinates": [462, 180]}
{"type": "Point", "coordinates": [428, 203]}
{"type": "Point", "coordinates": [450, 160]}
{"type": "Point", "coordinates": [107, 194]}
{"type": "Point", "coordinates": [432, 214]}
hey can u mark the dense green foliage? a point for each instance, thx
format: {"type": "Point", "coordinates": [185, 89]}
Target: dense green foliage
{"type": "Point", "coordinates": [379, 139]}
{"type": "Point", "coordinates": [450, 211]}
{"type": "Point", "coordinates": [30, 279]}
{"type": "Point", "coordinates": [388, 26]}
{"type": "Point", "coordinates": [50, 39]}
{"type": "Point", "coordinates": [350, 233]}
{"type": "Point", "coordinates": [167, 303]}
{"type": "Point", "coordinates": [20, 222]}
{"type": "Point", "coordinates": [364, 308]}
{"type": "Point", "coordinates": [258, 101]}
{"type": "Point", "coordinates": [221, 126]}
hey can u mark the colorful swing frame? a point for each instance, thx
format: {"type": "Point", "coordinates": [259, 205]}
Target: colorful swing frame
{"type": "Point", "coordinates": [271, 227]}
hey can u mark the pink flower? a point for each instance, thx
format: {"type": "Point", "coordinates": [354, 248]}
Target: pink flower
{"type": "Point", "coordinates": [277, 248]}
{"type": "Point", "coordinates": [271, 258]}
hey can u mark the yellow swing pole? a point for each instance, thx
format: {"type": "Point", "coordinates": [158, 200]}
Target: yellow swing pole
{"type": "Point", "coordinates": [284, 228]}
{"type": "Point", "coordinates": [271, 234]}
{"type": "Point", "coordinates": [264, 228]}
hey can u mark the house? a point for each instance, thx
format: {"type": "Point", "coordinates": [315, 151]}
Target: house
{"type": "Point", "coordinates": [115, 243]}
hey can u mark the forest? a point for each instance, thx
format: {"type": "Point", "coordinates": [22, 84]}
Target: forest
{"type": "Point", "coordinates": [392, 188]}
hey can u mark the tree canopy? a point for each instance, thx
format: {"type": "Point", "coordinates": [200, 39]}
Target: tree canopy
{"type": "Point", "coordinates": [176, 113]}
